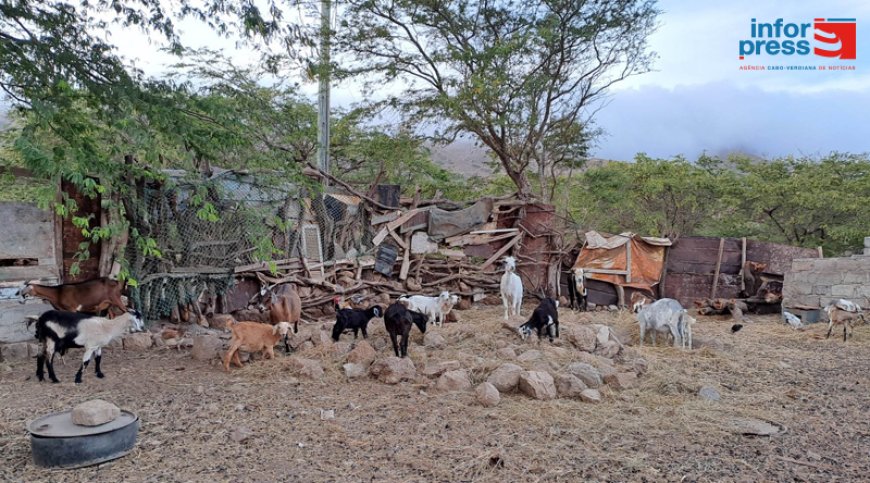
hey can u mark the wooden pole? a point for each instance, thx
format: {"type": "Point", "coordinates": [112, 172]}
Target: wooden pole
{"type": "Point", "coordinates": [742, 264]}
{"type": "Point", "coordinates": [628, 262]}
{"type": "Point", "coordinates": [718, 266]}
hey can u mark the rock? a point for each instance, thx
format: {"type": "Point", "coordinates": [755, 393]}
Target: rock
{"type": "Point", "coordinates": [16, 351]}
{"type": "Point", "coordinates": [321, 338]}
{"type": "Point", "coordinates": [295, 341]}
{"type": "Point", "coordinates": [487, 395]}
{"type": "Point", "coordinates": [464, 304]}
{"type": "Point", "coordinates": [506, 377]}
{"type": "Point", "coordinates": [609, 349]}
{"type": "Point", "coordinates": [242, 434]}
{"type": "Point", "coordinates": [602, 333]}
{"type": "Point", "coordinates": [94, 413]}
{"type": "Point", "coordinates": [379, 343]}
{"type": "Point", "coordinates": [582, 337]}
{"type": "Point", "coordinates": [221, 321]}
{"type": "Point", "coordinates": [640, 366]}
{"type": "Point", "coordinates": [709, 393]}
{"type": "Point", "coordinates": [354, 371]}
{"type": "Point", "coordinates": [453, 316]}
{"type": "Point", "coordinates": [586, 373]}
{"type": "Point", "coordinates": [453, 381]}
{"type": "Point", "coordinates": [538, 385]}
{"type": "Point", "coordinates": [307, 368]}
{"type": "Point", "coordinates": [412, 286]}
{"type": "Point", "coordinates": [752, 426]}
{"type": "Point", "coordinates": [568, 385]}
{"type": "Point", "coordinates": [530, 355]}
{"type": "Point", "coordinates": [206, 347]}
{"type": "Point", "coordinates": [612, 308]}
{"type": "Point", "coordinates": [563, 301]}
{"type": "Point", "coordinates": [341, 347]}
{"type": "Point", "coordinates": [138, 341]}
{"type": "Point", "coordinates": [596, 361]}
{"type": "Point", "coordinates": [434, 340]}
{"type": "Point", "coordinates": [506, 353]}
{"type": "Point", "coordinates": [621, 380]}
{"type": "Point", "coordinates": [605, 370]}
{"type": "Point", "coordinates": [327, 414]}
{"type": "Point", "coordinates": [435, 370]}
{"type": "Point", "coordinates": [702, 342]}
{"type": "Point", "coordinates": [307, 345]}
{"type": "Point", "coordinates": [421, 244]}
{"type": "Point", "coordinates": [362, 353]}
{"type": "Point", "coordinates": [590, 396]}
{"type": "Point", "coordinates": [392, 370]}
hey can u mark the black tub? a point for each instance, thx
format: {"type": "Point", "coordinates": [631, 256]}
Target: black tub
{"type": "Point", "coordinates": [58, 443]}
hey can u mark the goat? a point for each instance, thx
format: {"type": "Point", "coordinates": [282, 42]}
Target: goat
{"type": "Point", "coordinates": [511, 289]}
{"type": "Point", "coordinates": [254, 337]}
{"type": "Point", "coordinates": [546, 314]}
{"type": "Point", "coordinates": [577, 293]}
{"type": "Point", "coordinates": [283, 304]}
{"type": "Point", "coordinates": [91, 296]}
{"type": "Point", "coordinates": [58, 331]}
{"type": "Point", "coordinates": [843, 312]}
{"type": "Point", "coordinates": [356, 320]}
{"type": "Point", "coordinates": [398, 320]}
{"type": "Point", "coordinates": [434, 308]}
{"type": "Point", "coordinates": [659, 316]}
{"type": "Point", "coordinates": [638, 300]}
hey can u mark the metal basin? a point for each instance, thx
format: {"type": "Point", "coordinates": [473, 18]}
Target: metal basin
{"type": "Point", "coordinates": [58, 443]}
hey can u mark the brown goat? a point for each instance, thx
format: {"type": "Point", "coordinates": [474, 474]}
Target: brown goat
{"type": "Point", "coordinates": [254, 337]}
{"type": "Point", "coordinates": [92, 296]}
{"type": "Point", "coordinates": [283, 304]}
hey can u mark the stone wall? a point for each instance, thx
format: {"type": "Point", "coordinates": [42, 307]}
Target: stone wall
{"type": "Point", "coordinates": [815, 282]}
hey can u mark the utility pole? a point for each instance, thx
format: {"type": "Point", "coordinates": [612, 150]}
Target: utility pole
{"type": "Point", "coordinates": [323, 97]}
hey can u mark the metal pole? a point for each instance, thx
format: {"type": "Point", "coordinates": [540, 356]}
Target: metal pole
{"type": "Point", "coordinates": [323, 97]}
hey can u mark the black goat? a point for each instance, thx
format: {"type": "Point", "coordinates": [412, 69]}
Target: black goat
{"type": "Point", "coordinates": [59, 331]}
{"type": "Point", "coordinates": [398, 320]}
{"type": "Point", "coordinates": [356, 320]}
{"type": "Point", "coordinates": [546, 314]}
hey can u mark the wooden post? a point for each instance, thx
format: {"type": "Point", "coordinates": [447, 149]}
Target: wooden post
{"type": "Point", "coordinates": [742, 264]}
{"type": "Point", "coordinates": [821, 255]}
{"type": "Point", "coordinates": [620, 296]}
{"type": "Point", "coordinates": [718, 266]}
{"type": "Point", "coordinates": [628, 262]}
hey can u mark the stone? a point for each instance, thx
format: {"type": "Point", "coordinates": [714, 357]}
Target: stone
{"type": "Point", "coordinates": [568, 385]}
{"type": "Point", "coordinates": [393, 370]}
{"type": "Point", "coordinates": [362, 353]}
{"type": "Point", "coordinates": [138, 341]}
{"type": "Point", "coordinates": [242, 434]}
{"type": "Point", "coordinates": [602, 333]}
{"type": "Point", "coordinates": [379, 343]}
{"type": "Point", "coordinates": [487, 395]}
{"type": "Point", "coordinates": [307, 368]}
{"type": "Point", "coordinates": [434, 340]}
{"type": "Point", "coordinates": [621, 380]}
{"type": "Point", "coordinates": [94, 413]}
{"type": "Point", "coordinates": [327, 414]}
{"type": "Point", "coordinates": [453, 316]}
{"type": "Point", "coordinates": [307, 345]}
{"type": "Point", "coordinates": [609, 349]}
{"type": "Point", "coordinates": [530, 355]}
{"type": "Point", "coordinates": [221, 321]}
{"type": "Point", "coordinates": [710, 342]}
{"type": "Point", "coordinates": [590, 396]}
{"type": "Point", "coordinates": [751, 426]}
{"type": "Point", "coordinates": [435, 370]}
{"type": "Point", "coordinates": [506, 377]}
{"type": "Point", "coordinates": [506, 353]}
{"type": "Point", "coordinates": [321, 338]}
{"type": "Point", "coordinates": [421, 244]}
{"type": "Point", "coordinates": [453, 381]}
{"type": "Point", "coordinates": [464, 304]}
{"type": "Point", "coordinates": [586, 373]}
{"type": "Point", "coordinates": [640, 366]}
{"type": "Point", "coordinates": [206, 347]}
{"type": "Point", "coordinates": [538, 385]}
{"type": "Point", "coordinates": [582, 337]}
{"type": "Point", "coordinates": [341, 347]}
{"type": "Point", "coordinates": [709, 393]}
{"type": "Point", "coordinates": [16, 351]}
{"type": "Point", "coordinates": [354, 371]}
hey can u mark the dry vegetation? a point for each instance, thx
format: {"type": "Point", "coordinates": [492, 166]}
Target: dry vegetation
{"type": "Point", "coordinates": [659, 430]}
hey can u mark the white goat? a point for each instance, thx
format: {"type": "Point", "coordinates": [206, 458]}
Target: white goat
{"type": "Point", "coordinates": [663, 315]}
{"type": "Point", "coordinates": [435, 308]}
{"type": "Point", "coordinates": [511, 289]}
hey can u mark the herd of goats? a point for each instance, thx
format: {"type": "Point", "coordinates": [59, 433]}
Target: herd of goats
{"type": "Point", "coordinates": [72, 323]}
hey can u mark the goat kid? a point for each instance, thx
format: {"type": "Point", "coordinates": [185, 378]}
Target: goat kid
{"type": "Point", "coordinates": [58, 331]}
{"type": "Point", "coordinates": [434, 308]}
{"type": "Point", "coordinates": [92, 296]}
{"type": "Point", "coordinates": [577, 290]}
{"type": "Point", "coordinates": [254, 337]}
{"type": "Point", "coordinates": [661, 316]}
{"type": "Point", "coordinates": [511, 289]}
{"type": "Point", "coordinates": [545, 315]}
{"type": "Point", "coordinates": [843, 312]}
{"type": "Point", "coordinates": [398, 321]}
{"type": "Point", "coordinates": [355, 320]}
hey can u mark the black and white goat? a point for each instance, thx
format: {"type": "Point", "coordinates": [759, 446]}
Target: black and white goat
{"type": "Point", "coordinates": [577, 289]}
{"type": "Point", "coordinates": [355, 320]}
{"type": "Point", "coordinates": [58, 331]}
{"type": "Point", "coordinates": [545, 315]}
{"type": "Point", "coordinates": [398, 320]}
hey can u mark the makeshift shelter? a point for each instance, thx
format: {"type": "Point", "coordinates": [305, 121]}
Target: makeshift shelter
{"type": "Point", "coordinates": [621, 261]}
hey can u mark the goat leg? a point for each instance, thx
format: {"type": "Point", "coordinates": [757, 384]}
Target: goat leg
{"type": "Point", "coordinates": [98, 356]}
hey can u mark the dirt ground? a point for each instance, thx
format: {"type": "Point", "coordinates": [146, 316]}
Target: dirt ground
{"type": "Point", "coordinates": [659, 430]}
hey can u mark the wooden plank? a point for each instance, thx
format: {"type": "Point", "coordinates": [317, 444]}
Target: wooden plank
{"type": "Point", "coordinates": [627, 264]}
{"type": "Point", "coordinates": [605, 271]}
{"type": "Point", "coordinates": [399, 240]}
{"type": "Point", "coordinates": [378, 219]}
{"type": "Point", "coordinates": [467, 239]}
{"type": "Point", "coordinates": [742, 264]}
{"type": "Point", "coordinates": [718, 265]}
{"type": "Point", "coordinates": [380, 237]}
{"type": "Point", "coordinates": [497, 230]}
{"type": "Point", "coordinates": [501, 251]}
{"type": "Point", "coordinates": [452, 253]}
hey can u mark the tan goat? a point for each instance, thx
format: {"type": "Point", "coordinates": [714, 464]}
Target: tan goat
{"type": "Point", "coordinates": [254, 337]}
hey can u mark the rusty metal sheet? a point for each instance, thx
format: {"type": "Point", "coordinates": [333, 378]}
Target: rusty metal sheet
{"type": "Point", "coordinates": [237, 297]}
{"type": "Point", "coordinates": [647, 262]}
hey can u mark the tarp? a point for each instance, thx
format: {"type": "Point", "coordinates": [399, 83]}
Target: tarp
{"type": "Point", "coordinates": [443, 224]}
{"type": "Point", "coordinates": [611, 253]}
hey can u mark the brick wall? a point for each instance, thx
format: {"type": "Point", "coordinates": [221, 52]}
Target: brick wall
{"type": "Point", "coordinates": [815, 282]}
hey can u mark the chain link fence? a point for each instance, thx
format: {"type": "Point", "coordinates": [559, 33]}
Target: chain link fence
{"type": "Point", "coordinates": [195, 232]}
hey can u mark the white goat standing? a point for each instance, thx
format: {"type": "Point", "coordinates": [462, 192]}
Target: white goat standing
{"type": "Point", "coordinates": [664, 315]}
{"type": "Point", "coordinates": [511, 289]}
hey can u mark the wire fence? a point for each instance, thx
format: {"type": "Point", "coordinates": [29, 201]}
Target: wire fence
{"type": "Point", "coordinates": [202, 229]}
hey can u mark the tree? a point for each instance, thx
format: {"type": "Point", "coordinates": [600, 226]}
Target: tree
{"type": "Point", "coordinates": [520, 76]}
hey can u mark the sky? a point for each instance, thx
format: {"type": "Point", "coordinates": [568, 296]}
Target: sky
{"type": "Point", "coordinates": [696, 99]}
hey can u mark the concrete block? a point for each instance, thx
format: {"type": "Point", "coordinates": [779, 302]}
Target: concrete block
{"type": "Point", "coordinates": [798, 288]}
{"type": "Point", "coordinates": [821, 290]}
{"type": "Point", "coordinates": [867, 242]}
{"type": "Point", "coordinates": [867, 251]}
{"type": "Point", "coordinates": [810, 300]}
{"type": "Point", "coordinates": [844, 291]}
{"type": "Point", "coordinates": [856, 277]}
{"type": "Point", "coordinates": [827, 278]}
{"type": "Point", "coordinates": [802, 264]}
{"type": "Point", "coordinates": [13, 319]}
{"type": "Point", "coordinates": [862, 290]}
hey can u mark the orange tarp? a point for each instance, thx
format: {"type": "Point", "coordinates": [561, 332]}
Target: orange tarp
{"type": "Point", "coordinates": [611, 253]}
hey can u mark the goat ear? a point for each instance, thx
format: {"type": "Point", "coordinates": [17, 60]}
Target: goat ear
{"type": "Point", "coordinates": [274, 329]}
